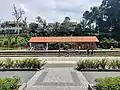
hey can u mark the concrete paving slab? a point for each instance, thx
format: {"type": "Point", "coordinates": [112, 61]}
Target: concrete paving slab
{"type": "Point", "coordinates": [58, 79]}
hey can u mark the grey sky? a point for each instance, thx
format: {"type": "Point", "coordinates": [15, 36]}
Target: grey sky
{"type": "Point", "coordinates": [51, 10]}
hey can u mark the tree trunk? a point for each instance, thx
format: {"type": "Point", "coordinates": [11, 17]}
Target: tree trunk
{"type": "Point", "coordinates": [17, 27]}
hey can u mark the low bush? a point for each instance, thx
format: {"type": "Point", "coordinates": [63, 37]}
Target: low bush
{"type": "Point", "coordinates": [108, 83]}
{"type": "Point", "coordinates": [92, 64]}
{"type": "Point", "coordinates": [29, 63]}
{"type": "Point", "coordinates": [9, 83]}
{"type": "Point", "coordinates": [103, 63]}
{"type": "Point", "coordinates": [98, 64]}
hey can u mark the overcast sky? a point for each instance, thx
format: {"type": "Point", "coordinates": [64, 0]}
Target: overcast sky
{"type": "Point", "coordinates": [51, 10]}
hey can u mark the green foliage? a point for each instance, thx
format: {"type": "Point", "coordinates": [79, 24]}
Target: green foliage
{"type": "Point", "coordinates": [103, 21]}
{"type": "Point", "coordinates": [88, 64]}
{"type": "Point", "coordinates": [98, 64]}
{"type": "Point", "coordinates": [9, 83]}
{"type": "Point", "coordinates": [103, 63]}
{"type": "Point", "coordinates": [80, 65]}
{"type": "Point", "coordinates": [107, 43]}
{"type": "Point", "coordinates": [21, 42]}
{"type": "Point", "coordinates": [29, 63]}
{"type": "Point", "coordinates": [8, 63]}
{"type": "Point", "coordinates": [10, 41]}
{"type": "Point", "coordinates": [108, 83]}
{"type": "Point", "coordinates": [114, 64]}
{"type": "Point", "coordinates": [118, 64]}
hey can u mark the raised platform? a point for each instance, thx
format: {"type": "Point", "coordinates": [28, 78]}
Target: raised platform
{"type": "Point", "coordinates": [56, 53]}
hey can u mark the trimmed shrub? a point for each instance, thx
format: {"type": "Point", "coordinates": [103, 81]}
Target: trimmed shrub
{"type": "Point", "coordinates": [103, 63]}
{"type": "Point", "coordinates": [9, 83]}
{"type": "Point", "coordinates": [80, 65]}
{"type": "Point", "coordinates": [107, 43]}
{"type": "Point", "coordinates": [108, 83]}
{"type": "Point", "coordinates": [29, 63]}
{"type": "Point", "coordinates": [98, 64]}
{"type": "Point", "coordinates": [88, 64]}
{"type": "Point", "coordinates": [112, 64]}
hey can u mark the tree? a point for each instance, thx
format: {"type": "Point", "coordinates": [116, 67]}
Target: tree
{"type": "Point", "coordinates": [0, 19]}
{"type": "Point", "coordinates": [42, 24]}
{"type": "Point", "coordinates": [78, 30]}
{"type": "Point", "coordinates": [94, 20]}
{"type": "Point", "coordinates": [107, 43]}
{"type": "Point", "coordinates": [106, 19]}
{"type": "Point", "coordinates": [18, 13]}
{"type": "Point", "coordinates": [111, 11]}
{"type": "Point", "coordinates": [56, 29]}
{"type": "Point", "coordinates": [24, 27]}
{"type": "Point", "coordinates": [33, 28]}
{"type": "Point", "coordinates": [65, 27]}
{"type": "Point", "coordinates": [67, 19]}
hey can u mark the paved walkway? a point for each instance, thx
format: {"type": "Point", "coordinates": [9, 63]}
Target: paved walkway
{"type": "Point", "coordinates": [58, 79]}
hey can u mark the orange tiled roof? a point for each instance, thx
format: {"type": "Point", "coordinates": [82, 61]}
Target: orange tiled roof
{"type": "Point", "coordinates": [64, 39]}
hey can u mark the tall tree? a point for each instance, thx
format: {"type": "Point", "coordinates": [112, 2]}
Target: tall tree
{"type": "Point", "coordinates": [42, 24]}
{"type": "Point", "coordinates": [18, 13]}
{"type": "Point", "coordinates": [24, 27]}
{"type": "Point", "coordinates": [65, 27]}
{"type": "Point", "coordinates": [106, 18]}
{"type": "Point", "coordinates": [111, 12]}
{"type": "Point", "coordinates": [33, 28]}
{"type": "Point", "coordinates": [55, 29]}
{"type": "Point", "coordinates": [93, 19]}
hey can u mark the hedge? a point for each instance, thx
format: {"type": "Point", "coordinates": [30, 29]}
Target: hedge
{"type": "Point", "coordinates": [28, 63]}
{"type": "Point", "coordinates": [108, 83]}
{"type": "Point", "coordinates": [98, 64]}
{"type": "Point", "coordinates": [9, 83]}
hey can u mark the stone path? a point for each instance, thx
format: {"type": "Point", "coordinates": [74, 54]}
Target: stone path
{"type": "Point", "coordinates": [58, 79]}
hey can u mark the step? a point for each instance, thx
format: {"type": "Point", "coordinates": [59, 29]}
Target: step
{"type": "Point", "coordinates": [56, 88]}
{"type": "Point", "coordinates": [57, 65]}
{"type": "Point", "coordinates": [61, 63]}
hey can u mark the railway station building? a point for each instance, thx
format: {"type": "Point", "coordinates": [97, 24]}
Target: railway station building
{"type": "Point", "coordinates": [76, 43]}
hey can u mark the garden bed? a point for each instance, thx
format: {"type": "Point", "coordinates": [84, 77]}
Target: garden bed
{"type": "Point", "coordinates": [9, 83]}
{"type": "Point", "coordinates": [91, 76]}
{"type": "Point", "coordinates": [98, 65]}
{"type": "Point", "coordinates": [26, 64]}
{"type": "Point", "coordinates": [25, 76]}
{"type": "Point", "coordinates": [19, 69]}
{"type": "Point", "coordinates": [25, 69]}
{"type": "Point", "coordinates": [101, 70]}
{"type": "Point", "coordinates": [106, 83]}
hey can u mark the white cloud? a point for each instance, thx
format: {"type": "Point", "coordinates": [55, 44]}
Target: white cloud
{"type": "Point", "coordinates": [23, 7]}
{"type": "Point", "coordinates": [51, 10]}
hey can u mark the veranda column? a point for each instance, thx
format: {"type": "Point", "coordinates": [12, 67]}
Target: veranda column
{"type": "Point", "coordinates": [30, 45]}
{"type": "Point", "coordinates": [46, 46]}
